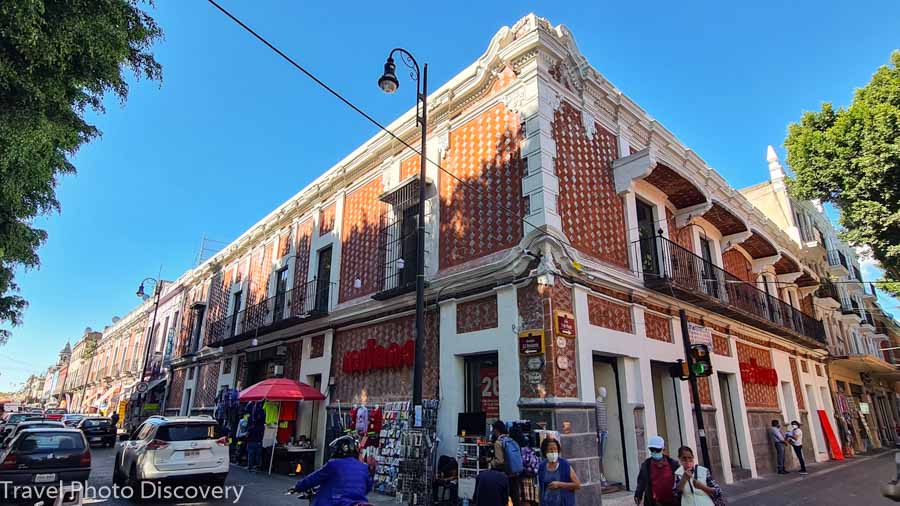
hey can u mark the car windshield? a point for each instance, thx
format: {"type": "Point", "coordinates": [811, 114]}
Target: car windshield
{"type": "Point", "coordinates": [46, 442]}
{"type": "Point", "coordinates": [188, 432]}
{"type": "Point", "coordinates": [99, 422]}
{"type": "Point", "coordinates": [18, 417]}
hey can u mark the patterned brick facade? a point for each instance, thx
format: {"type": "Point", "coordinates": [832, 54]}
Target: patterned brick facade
{"type": "Point", "coordinates": [806, 305]}
{"type": "Point", "coordinates": [382, 385]}
{"type": "Point", "coordinates": [756, 395]}
{"type": "Point", "coordinates": [592, 214]}
{"type": "Point", "coordinates": [680, 236]}
{"type": "Point", "coordinates": [720, 345]}
{"type": "Point", "coordinates": [301, 262]}
{"type": "Point", "coordinates": [705, 392]}
{"type": "Point", "coordinates": [476, 315]}
{"type": "Point", "coordinates": [293, 359]}
{"type": "Point", "coordinates": [317, 346]}
{"type": "Point", "coordinates": [736, 263]}
{"type": "Point", "coordinates": [359, 242]}
{"type": "Point", "coordinates": [798, 389]}
{"type": "Point", "coordinates": [484, 153]}
{"type": "Point", "coordinates": [207, 382]}
{"type": "Point", "coordinates": [608, 314]}
{"type": "Point", "coordinates": [410, 166]}
{"type": "Point", "coordinates": [536, 306]}
{"type": "Point", "coordinates": [326, 219]}
{"type": "Point", "coordinates": [218, 302]}
{"type": "Point", "coordinates": [176, 390]}
{"type": "Point", "coordinates": [658, 327]}
{"type": "Point", "coordinates": [284, 242]}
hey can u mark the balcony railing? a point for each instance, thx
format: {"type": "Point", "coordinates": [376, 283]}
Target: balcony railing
{"type": "Point", "coordinates": [850, 308]}
{"type": "Point", "coordinates": [837, 258]}
{"type": "Point", "coordinates": [826, 290]}
{"type": "Point", "coordinates": [867, 318]}
{"type": "Point", "coordinates": [306, 302]}
{"type": "Point", "coordinates": [671, 269]}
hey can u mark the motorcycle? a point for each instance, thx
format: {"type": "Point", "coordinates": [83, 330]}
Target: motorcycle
{"type": "Point", "coordinates": [310, 496]}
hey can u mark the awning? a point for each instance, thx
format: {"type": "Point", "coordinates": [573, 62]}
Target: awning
{"type": "Point", "coordinates": [103, 399]}
{"type": "Point", "coordinates": [865, 363]}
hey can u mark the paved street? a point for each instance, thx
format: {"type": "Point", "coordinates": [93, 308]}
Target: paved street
{"type": "Point", "coordinates": [855, 481]}
{"type": "Point", "coordinates": [257, 488]}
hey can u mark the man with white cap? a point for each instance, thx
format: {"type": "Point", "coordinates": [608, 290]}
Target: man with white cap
{"type": "Point", "coordinates": [656, 481]}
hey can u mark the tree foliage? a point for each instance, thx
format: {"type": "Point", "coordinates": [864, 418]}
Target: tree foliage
{"type": "Point", "coordinates": [58, 59]}
{"type": "Point", "coordinates": [851, 158]}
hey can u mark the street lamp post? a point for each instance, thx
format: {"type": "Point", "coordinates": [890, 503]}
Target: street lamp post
{"type": "Point", "coordinates": [157, 289]}
{"type": "Point", "coordinates": [388, 83]}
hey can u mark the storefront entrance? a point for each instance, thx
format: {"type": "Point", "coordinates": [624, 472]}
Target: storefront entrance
{"type": "Point", "coordinates": [612, 458]}
{"type": "Point", "coordinates": [667, 404]}
{"type": "Point", "coordinates": [483, 385]}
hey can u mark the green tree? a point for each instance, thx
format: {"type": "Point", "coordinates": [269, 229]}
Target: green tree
{"type": "Point", "coordinates": [58, 59]}
{"type": "Point", "coordinates": [851, 158]}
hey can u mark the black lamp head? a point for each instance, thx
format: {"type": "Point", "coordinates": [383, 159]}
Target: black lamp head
{"type": "Point", "coordinates": [388, 81]}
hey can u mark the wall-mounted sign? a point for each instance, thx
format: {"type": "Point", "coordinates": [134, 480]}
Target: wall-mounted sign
{"type": "Point", "coordinates": [531, 342]}
{"type": "Point", "coordinates": [565, 323]}
{"type": "Point", "coordinates": [560, 342]}
{"type": "Point", "coordinates": [376, 356]}
{"type": "Point", "coordinates": [562, 362]}
{"type": "Point", "coordinates": [699, 334]}
{"type": "Point", "coordinates": [864, 408]}
{"type": "Point", "coordinates": [533, 377]}
{"type": "Point", "coordinates": [753, 373]}
{"type": "Point", "coordinates": [535, 363]}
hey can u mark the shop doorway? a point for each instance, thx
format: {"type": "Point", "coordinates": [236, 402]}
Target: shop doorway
{"type": "Point", "coordinates": [483, 385]}
{"type": "Point", "coordinates": [613, 459]}
{"type": "Point", "coordinates": [667, 404]}
{"type": "Point", "coordinates": [739, 464]}
{"type": "Point", "coordinates": [812, 419]}
{"type": "Point", "coordinates": [790, 404]}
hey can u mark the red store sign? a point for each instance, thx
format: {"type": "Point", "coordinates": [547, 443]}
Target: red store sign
{"type": "Point", "coordinates": [375, 356]}
{"type": "Point", "coordinates": [751, 372]}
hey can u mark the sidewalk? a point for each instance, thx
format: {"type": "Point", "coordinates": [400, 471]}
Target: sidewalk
{"type": "Point", "coordinates": [273, 487]}
{"type": "Point", "coordinates": [748, 488]}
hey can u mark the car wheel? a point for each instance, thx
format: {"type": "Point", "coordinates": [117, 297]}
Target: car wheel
{"type": "Point", "coordinates": [137, 490]}
{"type": "Point", "coordinates": [118, 477]}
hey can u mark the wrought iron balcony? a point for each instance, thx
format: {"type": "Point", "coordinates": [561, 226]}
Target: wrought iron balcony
{"type": "Point", "coordinates": [306, 302]}
{"type": "Point", "coordinates": [827, 290]}
{"type": "Point", "coordinates": [673, 270]}
{"type": "Point", "coordinates": [837, 259]}
{"type": "Point", "coordinates": [851, 308]}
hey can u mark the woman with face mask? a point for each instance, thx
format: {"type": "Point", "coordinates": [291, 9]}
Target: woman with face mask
{"type": "Point", "coordinates": [656, 480]}
{"type": "Point", "coordinates": [694, 484]}
{"type": "Point", "coordinates": [557, 479]}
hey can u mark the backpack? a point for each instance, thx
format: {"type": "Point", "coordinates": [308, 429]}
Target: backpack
{"type": "Point", "coordinates": [530, 462]}
{"type": "Point", "coordinates": [512, 454]}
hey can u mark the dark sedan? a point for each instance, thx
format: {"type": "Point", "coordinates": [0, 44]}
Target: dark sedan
{"type": "Point", "coordinates": [13, 419]}
{"type": "Point", "coordinates": [98, 430]}
{"type": "Point", "coordinates": [43, 458]}
{"type": "Point", "coordinates": [30, 424]}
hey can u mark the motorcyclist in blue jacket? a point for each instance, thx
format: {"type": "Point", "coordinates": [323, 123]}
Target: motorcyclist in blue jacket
{"type": "Point", "coordinates": [343, 480]}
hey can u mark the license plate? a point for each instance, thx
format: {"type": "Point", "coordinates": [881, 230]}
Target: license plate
{"type": "Point", "coordinates": [96, 438]}
{"type": "Point", "coordinates": [45, 478]}
{"type": "Point", "coordinates": [192, 453]}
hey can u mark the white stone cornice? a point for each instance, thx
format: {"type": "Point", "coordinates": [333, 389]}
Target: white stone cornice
{"type": "Point", "coordinates": [760, 264]}
{"type": "Point", "coordinates": [684, 216]}
{"type": "Point", "coordinates": [733, 240]}
{"type": "Point", "coordinates": [633, 167]}
{"type": "Point", "coordinates": [790, 277]}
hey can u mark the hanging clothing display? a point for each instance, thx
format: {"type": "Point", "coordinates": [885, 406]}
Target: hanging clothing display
{"type": "Point", "coordinates": [271, 410]}
{"type": "Point", "coordinates": [362, 420]}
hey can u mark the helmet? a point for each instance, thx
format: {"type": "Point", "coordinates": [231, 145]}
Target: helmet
{"type": "Point", "coordinates": [344, 446]}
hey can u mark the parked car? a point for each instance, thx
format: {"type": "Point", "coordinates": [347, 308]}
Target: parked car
{"type": "Point", "coordinates": [12, 419]}
{"type": "Point", "coordinates": [71, 420]}
{"type": "Point", "coordinates": [177, 447]}
{"type": "Point", "coordinates": [98, 430]}
{"type": "Point", "coordinates": [31, 424]}
{"type": "Point", "coordinates": [55, 413]}
{"type": "Point", "coordinates": [44, 458]}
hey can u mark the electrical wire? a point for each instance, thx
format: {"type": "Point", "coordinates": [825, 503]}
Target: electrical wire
{"type": "Point", "coordinates": [357, 109]}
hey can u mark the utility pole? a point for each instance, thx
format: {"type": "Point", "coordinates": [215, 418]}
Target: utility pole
{"type": "Point", "coordinates": [698, 407]}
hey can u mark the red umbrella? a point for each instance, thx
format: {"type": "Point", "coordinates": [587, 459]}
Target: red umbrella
{"type": "Point", "coordinates": [281, 389]}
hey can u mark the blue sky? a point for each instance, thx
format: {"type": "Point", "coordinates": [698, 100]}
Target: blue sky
{"type": "Point", "coordinates": [233, 131]}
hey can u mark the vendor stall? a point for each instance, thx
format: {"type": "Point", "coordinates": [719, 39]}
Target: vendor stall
{"type": "Point", "coordinates": [283, 395]}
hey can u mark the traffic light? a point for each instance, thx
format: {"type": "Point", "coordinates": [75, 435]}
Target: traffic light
{"type": "Point", "coordinates": [680, 370]}
{"type": "Point", "coordinates": [702, 365]}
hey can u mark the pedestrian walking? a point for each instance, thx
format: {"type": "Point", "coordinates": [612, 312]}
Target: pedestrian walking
{"type": "Point", "coordinates": [656, 479]}
{"type": "Point", "coordinates": [779, 441]}
{"type": "Point", "coordinates": [491, 487]}
{"type": "Point", "coordinates": [694, 484]}
{"type": "Point", "coordinates": [114, 419]}
{"type": "Point", "coordinates": [556, 478]}
{"type": "Point", "coordinates": [796, 439]}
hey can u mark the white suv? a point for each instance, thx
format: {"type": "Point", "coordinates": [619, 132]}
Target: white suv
{"type": "Point", "coordinates": [172, 448]}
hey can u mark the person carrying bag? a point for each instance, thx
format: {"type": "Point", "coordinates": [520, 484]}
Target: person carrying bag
{"type": "Point", "coordinates": [694, 484]}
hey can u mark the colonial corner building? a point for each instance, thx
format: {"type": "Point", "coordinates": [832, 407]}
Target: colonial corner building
{"type": "Point", "coordinates": [565, 231]}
